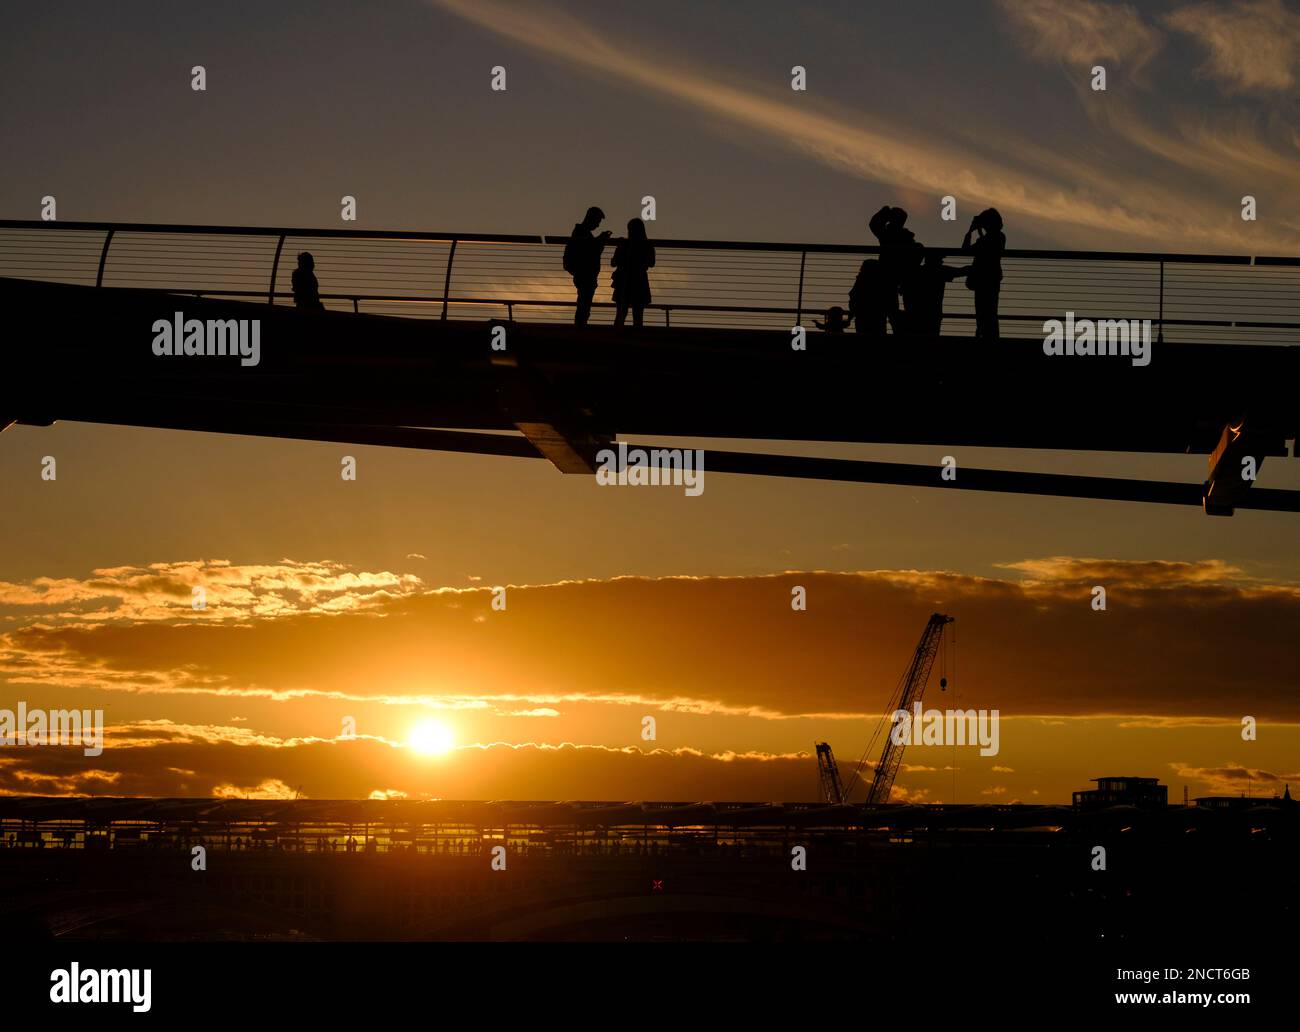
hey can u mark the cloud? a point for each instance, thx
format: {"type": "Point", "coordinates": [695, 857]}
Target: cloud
{"type": "Point", "coordinates": [1022, 177]}
{"type": "Point", "coordinates": [1154, 574]}
{"type": "Point", "coordinates": [25, 781]}
{"type": "Point", "coordinates": [1234, 779]}
{"type": "Point", "coordinates": [1216, 146]}
{"type": "Point", "coordinates": [271, 788]}
{"type": "Point", "coordinates": [1080, 32]}
{"type": "Point", "coordinates": [166, 591]}
{"type": "Point", "coordinates": [1030, 645]}
{"type": "Point", "coordinates": [349, 770]}
{"type": "Point", "coordinates": [1253, 46]}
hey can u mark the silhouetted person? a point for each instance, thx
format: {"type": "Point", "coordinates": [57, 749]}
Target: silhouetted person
{"type": "Point", "coordinates": [633, 259]}
{"type": "Point", "coordinates": [306, 291]}
{"type": "Point", "coordinates": [985, 276]}
{"type": "Point", "coordinates": [872, 299]}
{"type": "Point", "coordinates": [835, 320]}
{"type": "Point", "coordinates": [899, 255]}
{"type": "Point", "coordinates": [923, 294]}
{"type": "Point", "coordinates": [582, 261]}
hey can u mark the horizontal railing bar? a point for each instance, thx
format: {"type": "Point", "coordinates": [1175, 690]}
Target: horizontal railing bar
{"type": "Point", "coordinates": [560, 239]}
{"type": "Point", "coordinates": [369, 234]}
{"type": "Point", "coordinates": [752, 310]}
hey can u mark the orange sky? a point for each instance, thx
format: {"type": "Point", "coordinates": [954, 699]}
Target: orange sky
{"type": "Point", "coordinates": [330, 599]}
{"type": "Point", "coordinates": [546, 698]}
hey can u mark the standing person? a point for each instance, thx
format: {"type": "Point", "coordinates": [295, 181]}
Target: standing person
{"type": "Point", "coordinates": [923, 294]}
{"type": "Point", "coordinates": [870, 298]}
{"type": "Point", "coordinates": [582, 261]}
{"type": "Point", "coordinates": [633, 259]}
{"type": "Point", "coordinates": [985, 277]}
{"type": "Point", "coordinates": [306, 291]}
{"type": "Point", "coordinates": [899, 256]}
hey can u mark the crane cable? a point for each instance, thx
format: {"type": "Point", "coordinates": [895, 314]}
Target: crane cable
{"type": "Point", "coordinates": [893, 702]}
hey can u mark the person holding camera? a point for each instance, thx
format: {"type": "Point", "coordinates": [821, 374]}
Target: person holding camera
{"type": "Point", "coordinates": [985, 276]}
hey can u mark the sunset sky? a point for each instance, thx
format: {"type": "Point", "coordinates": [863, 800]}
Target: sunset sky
{"type": "Point", "coordinates": [370, 599]}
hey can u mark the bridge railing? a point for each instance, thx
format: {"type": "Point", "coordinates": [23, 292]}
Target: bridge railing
{"type": "Point", "coordinates": [479, 276]}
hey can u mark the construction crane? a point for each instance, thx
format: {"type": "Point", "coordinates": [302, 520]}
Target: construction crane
{"type": "Point", "coordinates": [832, 789]}
{"type": "Point", "coordinates": [909, 690]}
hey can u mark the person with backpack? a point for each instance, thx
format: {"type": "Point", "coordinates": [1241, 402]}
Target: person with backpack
{"type": "Point", "coordinates": [582, 261]}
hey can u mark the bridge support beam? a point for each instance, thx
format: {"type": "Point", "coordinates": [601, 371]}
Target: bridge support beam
{"type": "Point", "coordinates": [569, 439]}
{"type": "Point", "coordinates": [1234, 463]}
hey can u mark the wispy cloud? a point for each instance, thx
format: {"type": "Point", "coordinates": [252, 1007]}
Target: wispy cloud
{"type": "Point", "coordinates": [1253, 46]}
{"type": "Point", "coordinates": [1079, 32]}
{"type": "Point", "coordinates": [1094, 196]}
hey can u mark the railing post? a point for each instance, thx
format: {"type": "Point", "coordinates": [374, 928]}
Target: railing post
{"type": "Point", "coordinates": [798, 315]}
{"type": "Point", "coordinates": [103, 257]}
{"type": "Point", "coordinates": [446, 283]}
{"type": "Point", "coordinates": [1160, 323]}
{"type": "Point", "coordinates": [275, 267]}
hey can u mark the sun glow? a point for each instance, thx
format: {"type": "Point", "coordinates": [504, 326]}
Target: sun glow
{"type": "Point", "coordinates": [432, 738]}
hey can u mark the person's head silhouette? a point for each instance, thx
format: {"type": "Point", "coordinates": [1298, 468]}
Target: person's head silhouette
{"type": "Point", "coordinates": [306, 261]}
{"type": "Point", "coordinates": [593, 218]}
{"type": "Point", "coordinates": [991, 220]}
{"type": "Point", "coordinates": [635, 229]}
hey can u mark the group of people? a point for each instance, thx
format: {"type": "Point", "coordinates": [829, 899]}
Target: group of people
{"type": "Point", "coordinates": [906, 271]}
{"type": "Point", "coordinates": [909, 271]}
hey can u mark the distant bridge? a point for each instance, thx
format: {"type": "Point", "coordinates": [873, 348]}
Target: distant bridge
{"type": "Point", "coordinates": [403, 357]}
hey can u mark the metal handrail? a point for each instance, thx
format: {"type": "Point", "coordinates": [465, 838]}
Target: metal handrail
{"type": "Point", "coordinates": [559, 239]}
{"type": "Point", "coordinates": [508, 302]}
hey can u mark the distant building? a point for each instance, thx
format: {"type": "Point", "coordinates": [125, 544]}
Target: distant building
{"type": "Point", "coordinates": [1241, 802]}
{"type": "Point", "coordinates": [1225, 802]}
{"type": "Point", "coordinates": [1146, 792]}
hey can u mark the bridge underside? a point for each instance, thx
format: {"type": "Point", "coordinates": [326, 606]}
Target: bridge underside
{"type": "Point", "coordinates": [83, 353]}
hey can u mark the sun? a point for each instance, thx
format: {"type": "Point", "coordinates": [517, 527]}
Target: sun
{"type": "Point", "coordinates": [432, 738]}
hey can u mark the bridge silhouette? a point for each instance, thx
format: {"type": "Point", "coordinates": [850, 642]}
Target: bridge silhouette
{"type": "Point", "coordinates": [401, 357]}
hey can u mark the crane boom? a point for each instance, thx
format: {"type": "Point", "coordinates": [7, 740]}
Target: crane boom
{"type": "Point", "coordinates": [832, 789]}
{"type": "Point", "coordinates": [914, 681]}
